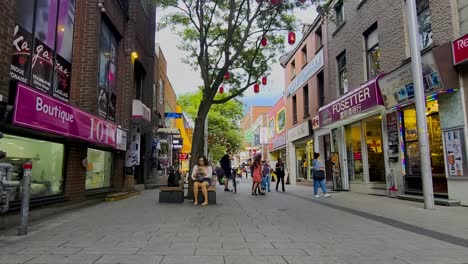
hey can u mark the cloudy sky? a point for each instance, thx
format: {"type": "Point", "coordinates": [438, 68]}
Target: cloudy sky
{"type": "Point", "coordinates": [184, 79]}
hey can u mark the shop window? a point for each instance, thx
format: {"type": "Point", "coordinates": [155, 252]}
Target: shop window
{"type": "Point", "coordinates": [293, 69]}
{"type": "Point", "coordinates": [342, 73]}
{"type": "Point", "coordinates": [107, 72]}
{"type": "Point", "coordinates": [372, 52]}
{"type": "Point", "coordinates": [374, 149]}
{"type": "Point", "coordinates": [98, 169]}
{"type": "Point", "coordinates": [42, 58]}
{"type": "Point", "coordinates": [424, 24]}
{"type": "Point", "coordinates": [139, 78]}
{"type": "Point", "coordinates": [304, 55]}
{"type": "Point", "coordinates": [294, 105]}
{"type": "Point", "coordinates": [306, 100]}
{"type": "Point", "coordinates": [412, 154]}
{"type": "Point", "coordinates": [47, 160]}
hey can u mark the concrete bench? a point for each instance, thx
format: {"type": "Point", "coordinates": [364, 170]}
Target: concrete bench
{"type": "Point", "coordinates": [211, 195]}
{"type": "Point", "coordinates": [171, 194]}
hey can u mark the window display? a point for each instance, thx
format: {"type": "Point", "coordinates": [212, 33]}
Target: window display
{"type": "Point", "coordinates": [412, 153]}
{"type": "Point", "coordinates": [46, 158]}
{"type": "Point", "coordinates": [98, 169]}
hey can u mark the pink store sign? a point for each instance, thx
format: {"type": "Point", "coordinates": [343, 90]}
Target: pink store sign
{"type": "Point", "coordinates": [36, 110]}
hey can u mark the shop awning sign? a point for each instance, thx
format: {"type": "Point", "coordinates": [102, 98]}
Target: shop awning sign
{"type": "Point", "coordinates": [357, 101]}
{"type": "Point", "coordinates": [309, 70]}
{"type": "Point", "coordinates": [397, 86]}
{"type": "Point", "coordinates": [36, 110]}
{"type": "Point", "coordinates": [460, 50]}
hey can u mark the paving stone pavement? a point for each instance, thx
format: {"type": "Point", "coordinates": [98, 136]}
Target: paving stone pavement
{"type": "Point", "coordinates": [279, 228]}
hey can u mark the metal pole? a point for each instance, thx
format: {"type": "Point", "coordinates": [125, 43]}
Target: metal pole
{"type": "Point", "coordinates": [23, 227]}
{"type": "Point", "coordinates": [205, 137]}
{"type": "Point", "coordinates": [420, 101]}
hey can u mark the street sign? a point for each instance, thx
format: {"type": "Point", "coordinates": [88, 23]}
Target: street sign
{"type": "Point", "coordinates": [249, 136]}
{"type": "Point", "coordinates": [173, 115]}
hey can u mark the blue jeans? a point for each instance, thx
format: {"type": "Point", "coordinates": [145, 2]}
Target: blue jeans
{"type": "Point", "coordinates": [321, 184]}
{"type": "Point", "coordinates": [267, 181]}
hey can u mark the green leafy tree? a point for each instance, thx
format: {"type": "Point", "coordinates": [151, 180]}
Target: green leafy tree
{"type": "Point", "coordinates": [223, 123]}
{"type": "Point", "coordinates": [222, 36]}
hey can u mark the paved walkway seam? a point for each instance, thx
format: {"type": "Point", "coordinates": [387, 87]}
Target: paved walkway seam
{"type": "Point", "coordinates": [391, 222]}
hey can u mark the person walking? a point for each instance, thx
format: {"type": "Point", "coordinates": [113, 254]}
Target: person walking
{"type": "Point", "coordinates": [225, 163]}
{"type": "Point", "coordinates": [256, 169]}
{"type": "Point", "coordinates": [266, 175]}
{"type": "Point", "coordinates": [201, 175]}
{"type": "Point", "coordinates": [280, 172]}
{"type": "Point", "coordinates": [319, 177]}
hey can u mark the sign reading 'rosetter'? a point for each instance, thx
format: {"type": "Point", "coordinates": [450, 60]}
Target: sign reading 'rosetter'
{"type": "Point", "coordinates": [460, 50]}
{"type": "Point", "coordinates": [36, 110]}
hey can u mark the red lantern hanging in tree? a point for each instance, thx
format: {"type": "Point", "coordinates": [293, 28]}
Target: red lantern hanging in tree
{"type": "Point", "coordinates": [256, 88]}
{"type": "Point", "coordinates": [264, 80]}
{"type": "Point", "coordinates": [291, 38]}
{"type": "Point", "coordinates": [264, 41]}
{"type": "Point", "coordinates": [221, 90]}
{"type": "Point", "coordinates": [227, 76]}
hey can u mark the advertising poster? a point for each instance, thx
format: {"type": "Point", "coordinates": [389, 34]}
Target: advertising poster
{"type": "Point", "coordinates": [454, 153]}
{"type": "Point", "coordinates": [42, 67]}
{"type": "Point", "coordinates": [133, 150]}
{"type": "Point", "coordinates": [62, 79]}
{"type": "Point", "coordinates": [21, 58]}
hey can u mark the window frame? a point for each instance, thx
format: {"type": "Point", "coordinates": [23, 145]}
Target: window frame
{"type": "Point", "coordinates": [369, 51]}
{"type": "Point", "coordinates": [294, 105]}
{"type": "Point", "coordinates": [305, 99]}
{"type": "Point", "coordinates": [318, 39]}
{"type": "Point", "coordinates": [339, 13]}
{"type": "Point", "coordinates": [293, 69]}
{"type": "Point", "coordinates": [304, 55]}
{"type": "Point", "coordinates": [422, 7]}
{"type": "Point", "coordinates": [342, 69]}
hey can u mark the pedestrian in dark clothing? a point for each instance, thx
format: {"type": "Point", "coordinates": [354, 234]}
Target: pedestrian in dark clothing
{"type": "Point", "coordinates": [279, 171]}
{"type": "Point", "coordinates": [226, 165]}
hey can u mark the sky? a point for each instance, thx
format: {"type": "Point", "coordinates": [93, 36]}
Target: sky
{"type": "Point", "coordinates": [184, 79]}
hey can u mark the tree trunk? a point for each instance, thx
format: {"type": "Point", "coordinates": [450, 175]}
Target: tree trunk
{"type": "Point", "coordinates": [197, 141]}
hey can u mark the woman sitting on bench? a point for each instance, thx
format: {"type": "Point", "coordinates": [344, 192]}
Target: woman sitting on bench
{"type": "Point", "coordinates": [201, 175]}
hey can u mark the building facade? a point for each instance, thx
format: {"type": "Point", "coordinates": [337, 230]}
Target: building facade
{"type": "Point", "coordinates": [69, 92]}
{"type": "Point", "coordinates": [370, 101]}
{"type": "Point", "coordinates": [249, 128]}
{"type": "Point", "coordinates": [276, 123]}
{"type": "Point", "coordinates": [305, 82]}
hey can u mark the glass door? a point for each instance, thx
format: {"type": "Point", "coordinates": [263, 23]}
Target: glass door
{"type": "Point", "coordinates": [374, 149]}
{"type": "Point", "coordinates": [354, 152]}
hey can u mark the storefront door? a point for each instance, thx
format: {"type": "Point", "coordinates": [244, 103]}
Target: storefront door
{"type": "Point", "coordinates": [354, 152]}
{"type": "Point", "coordinates": [327, 156]}
{"type": "Point", "coordinates": [375, 155]}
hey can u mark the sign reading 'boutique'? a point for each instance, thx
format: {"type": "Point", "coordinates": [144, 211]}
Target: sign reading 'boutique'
{"type": "Point", "coordinates": [36, 110]}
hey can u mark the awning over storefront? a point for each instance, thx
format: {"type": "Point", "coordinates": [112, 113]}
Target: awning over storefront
{"type": "Point", "coordinates": [187, 142]}
{"type": "Point", "coordinates": [351, 104]}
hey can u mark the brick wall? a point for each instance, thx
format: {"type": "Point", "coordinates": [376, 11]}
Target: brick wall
{"type": "Point", "coordinates": [390, 16]}
{"type": "Point", "coordinates": [7, 14]}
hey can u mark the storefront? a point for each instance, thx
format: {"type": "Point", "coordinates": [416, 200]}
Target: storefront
{"type": "Point", "coordinates": [52, 135]}
{"type": "Point", "coordinates": [276, 118]}
{"type": "Point", "coordinates": [300, 147]}
{"type": "Point", "coordinates": [353, 151]}
{"type": "Point", "coordinates": [456, 185]}
{"type": "Point", "coordinates": [445, 124]}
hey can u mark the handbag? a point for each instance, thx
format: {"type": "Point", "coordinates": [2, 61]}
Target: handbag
{"type": "Point", "coordinates": [320, 175]}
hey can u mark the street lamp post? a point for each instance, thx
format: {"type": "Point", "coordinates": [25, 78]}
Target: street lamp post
{"type": "Point", "coordinates": [420, 101]}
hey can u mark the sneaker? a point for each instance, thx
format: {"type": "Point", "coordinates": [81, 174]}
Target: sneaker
{"type": "Point", "coordinates": [227, 190]}
{"type": "Point", "coordinates": [317, 196]}
{"type": "Point", "coordinates": [327, 195]}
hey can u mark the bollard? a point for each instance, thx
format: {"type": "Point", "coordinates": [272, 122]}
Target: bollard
{"type": "Point", "coordinates": [23, 227]}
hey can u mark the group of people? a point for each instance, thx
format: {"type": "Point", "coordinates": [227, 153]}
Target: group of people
{"type": "Point", "coordinates": [261, 176]}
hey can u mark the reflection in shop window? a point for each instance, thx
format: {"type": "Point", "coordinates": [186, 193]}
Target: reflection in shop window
{"type": "Point", "coordinates": [98, 169]}
{"type": "Point", "coordinates": [46, 158]}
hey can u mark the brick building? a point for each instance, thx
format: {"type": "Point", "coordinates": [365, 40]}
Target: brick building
{"type": "Point", "coordinates": [305, 86]}
{"type": "Point", "coordinates": [369, 112]}
{"type": "Point", "coordinates": [254, 118]}
{"type": "Point", "coordinates": [76, 75]}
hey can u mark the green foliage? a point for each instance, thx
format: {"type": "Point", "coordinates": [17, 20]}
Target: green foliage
{"type": "Point", "coordinates": [223, 123]}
